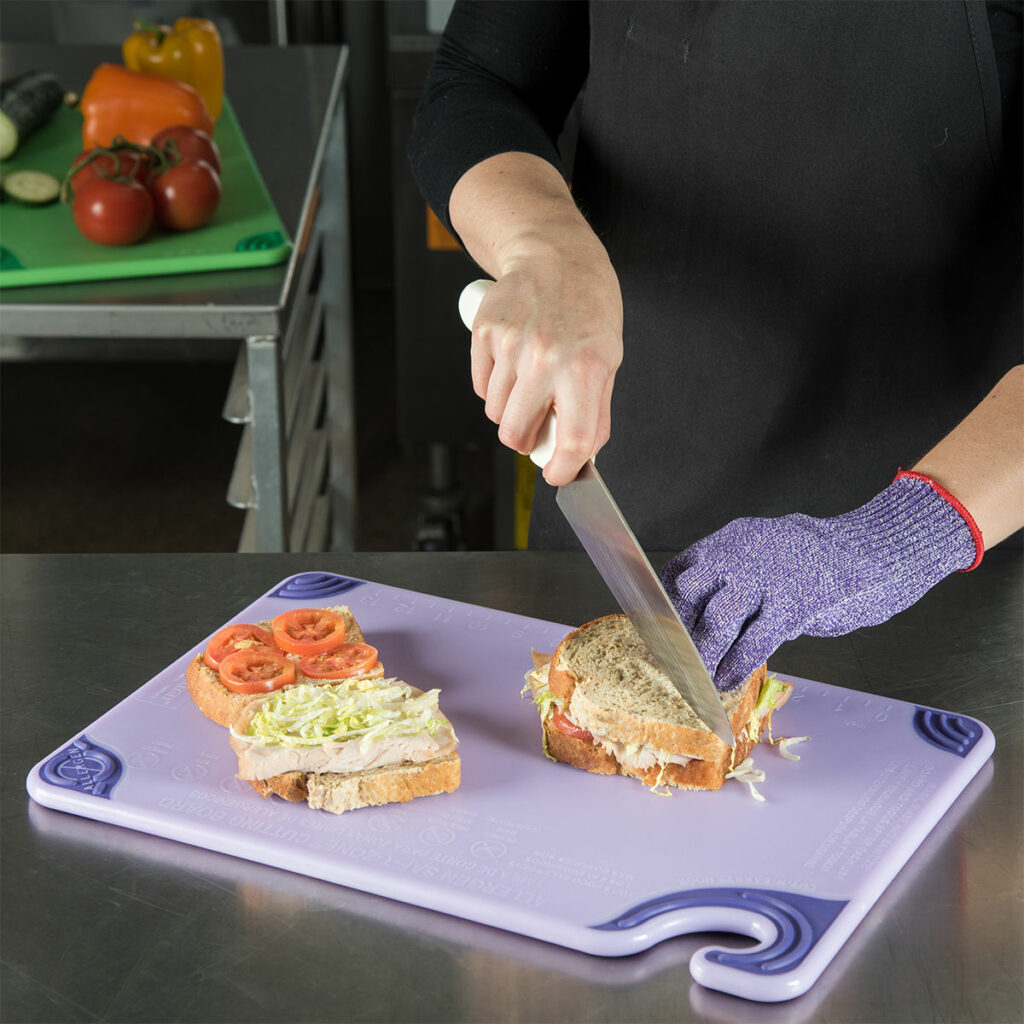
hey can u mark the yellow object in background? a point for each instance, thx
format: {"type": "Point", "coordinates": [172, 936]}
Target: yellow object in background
{"type": "Point", "coordinates": [526, 476]}
{"type": "Point", "coordinates": [190, 52]}
{"type": "Point", "coordinates": [438, 236]}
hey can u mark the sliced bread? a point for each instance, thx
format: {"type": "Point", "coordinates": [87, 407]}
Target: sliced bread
{"type": "Point", "coordinates": [389, 785]}
{"type": "Point", "coordinates": [603, 678]}
{"type": "Point", "coordinates": [337, 793]}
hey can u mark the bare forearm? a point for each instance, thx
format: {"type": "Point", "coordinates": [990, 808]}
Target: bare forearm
{"type": "Point", "coordinates": [516, 206]}
{"type": "Point", "coordinates": [981, 461]}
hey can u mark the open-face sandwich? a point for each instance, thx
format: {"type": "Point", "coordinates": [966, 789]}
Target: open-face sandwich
{"type": "Point", "coordinates": [312, 717]}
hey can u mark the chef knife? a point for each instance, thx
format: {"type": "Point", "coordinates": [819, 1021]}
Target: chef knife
{"type": "Point", "coordinates": [602, 529]}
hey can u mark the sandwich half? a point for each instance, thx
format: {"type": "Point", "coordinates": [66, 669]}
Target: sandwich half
{"type": "Point", "coordinates": [606, 707]}
{"type": "Point", "coordinates": [347, 744]}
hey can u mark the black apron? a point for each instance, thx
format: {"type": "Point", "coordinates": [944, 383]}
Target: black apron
{"type": "Point", "coordinates": [802, 201]}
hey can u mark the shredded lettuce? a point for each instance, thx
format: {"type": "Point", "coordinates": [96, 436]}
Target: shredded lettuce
{"type": "Point", "coordinates": [785, 742]}
{"type": "Point", "coordinates": [662, 766]}
{"type": "Point", "coordinates": [745, 772]}
{"type": "Point", "coordinates": [537, 687]}
{"type": "Point", "coordinates": [545, 700]}
{"type": "Point", "coordinates": [310, 716]}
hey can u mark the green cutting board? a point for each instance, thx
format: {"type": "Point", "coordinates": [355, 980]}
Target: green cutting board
{"type": "Point", "coordinates": [41, 245]}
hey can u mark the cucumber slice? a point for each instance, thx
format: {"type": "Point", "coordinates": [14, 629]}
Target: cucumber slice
{"type": "Point", "coordinates": [31, 188]}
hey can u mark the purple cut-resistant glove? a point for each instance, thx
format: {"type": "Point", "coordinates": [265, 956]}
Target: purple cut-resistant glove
{"type": "Point", "coordinates": [749, 587]}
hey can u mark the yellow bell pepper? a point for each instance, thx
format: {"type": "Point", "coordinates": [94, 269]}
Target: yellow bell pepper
{"type": "Point", "coordinates": [190, 52]}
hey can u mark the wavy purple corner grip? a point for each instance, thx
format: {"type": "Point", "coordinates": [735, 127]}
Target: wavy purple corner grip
{"type": "Point", "coordinates": [799, 922]}
{"type": "Point", "coordinates": [310, 586]}
{"type": "Point", "coordinates": [83, 766]}
{"type": "Point", "coordinates": [955, 734]}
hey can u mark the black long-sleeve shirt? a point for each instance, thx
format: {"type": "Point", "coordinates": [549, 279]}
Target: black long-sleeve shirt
{"type": "Point", "coordinates": [813, 210]}
{"type": "Point", "coordinates": [507, 73]}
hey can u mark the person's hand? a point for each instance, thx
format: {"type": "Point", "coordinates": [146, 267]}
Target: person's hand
{"type": "Point", "coordinates": [548, 335]}
{"type": "Point", "coordinates": [749, 587]}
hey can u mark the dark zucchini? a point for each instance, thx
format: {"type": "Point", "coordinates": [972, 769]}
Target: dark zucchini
{"type": "Point", "coordinates": [26, 104]}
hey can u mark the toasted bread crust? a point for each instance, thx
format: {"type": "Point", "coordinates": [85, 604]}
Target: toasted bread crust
{"type": "Point", "coordinates": [698, 741]}
{"type": "Point", "coordinates": [579, 753]}
{"type": "Point", "coordinates": [290, 786]}
{"type": "Point", "coordinates": [211, 696]}
{"type": "Point", "coordinates": [222, 705]}
{"type": "Point", "coordinates": [371, 788]}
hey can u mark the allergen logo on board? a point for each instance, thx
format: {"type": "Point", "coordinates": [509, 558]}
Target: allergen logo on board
{"type": "Point", "coordinates": [84, 766]}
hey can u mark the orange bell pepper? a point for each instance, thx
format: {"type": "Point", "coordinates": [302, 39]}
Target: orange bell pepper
{"type": "Point", "coordinates": [118, 101]}
{"type": "Point", "coordinates": [191, 52]}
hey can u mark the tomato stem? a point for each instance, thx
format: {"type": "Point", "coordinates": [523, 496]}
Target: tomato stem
{"type": "Point", "coordinates": [66, 191]}
{"type": "Point", "coordinates": [170, 155]}
{"type": "Point", "coordinates": [160, 160]}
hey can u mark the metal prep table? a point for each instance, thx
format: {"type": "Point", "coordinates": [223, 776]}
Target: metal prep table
{"type": "Point", "coordinates": [102, 923]}
{"type": "Point", "coordinates": [295, 470]}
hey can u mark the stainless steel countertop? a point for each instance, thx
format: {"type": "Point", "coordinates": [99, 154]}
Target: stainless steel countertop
{"type": "Point", "coordinates": [101, 923]}
{"type": "Point", "coordinates": [281, 97]}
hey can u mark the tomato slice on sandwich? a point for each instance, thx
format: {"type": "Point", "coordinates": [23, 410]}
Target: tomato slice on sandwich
{"type": "Point", "coordinates": [237, 637]}
{"type": "Point", "coordinates": [350, 659]}
{"type": "Point", "coordinates": [256, 670]}
{"type": "Point", "coordinates": [563, 723]}
{"type": "Point", "coordinates": [309, 631]}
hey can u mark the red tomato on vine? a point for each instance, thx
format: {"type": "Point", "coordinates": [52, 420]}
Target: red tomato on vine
{"type": "Point", "coordinates": [113, 212]}
{"type": "Point", "coordinates": [186, 195]}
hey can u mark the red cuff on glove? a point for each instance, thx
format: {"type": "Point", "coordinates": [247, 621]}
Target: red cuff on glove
{"type": "Point", "coordinates": [952, 499]}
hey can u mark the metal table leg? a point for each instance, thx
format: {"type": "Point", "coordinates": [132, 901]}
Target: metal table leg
{"type": "Point", "coordinates": [266, 412]}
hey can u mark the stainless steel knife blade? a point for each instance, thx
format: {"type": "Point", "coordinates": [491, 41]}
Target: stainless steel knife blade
{"type": "Point", "coordinates": [602, 529]}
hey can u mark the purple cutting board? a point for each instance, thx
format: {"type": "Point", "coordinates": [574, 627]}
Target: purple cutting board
{"type": "Point", "coordinates": [594, 863]}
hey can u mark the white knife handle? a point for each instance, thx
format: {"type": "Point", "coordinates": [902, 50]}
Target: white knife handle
{"type": "Point", "coordinates": [469, 302]}
{"type": "Point", "coordinates": [470, 299]}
